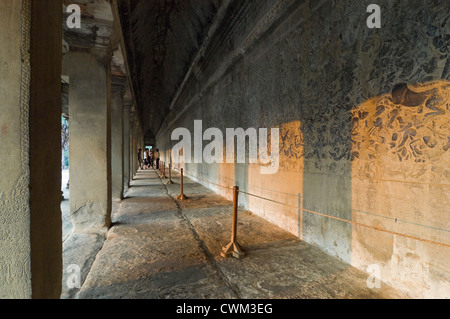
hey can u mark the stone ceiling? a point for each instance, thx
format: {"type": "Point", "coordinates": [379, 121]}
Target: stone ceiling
{"type": "Point", "coordinates": [162, 38]}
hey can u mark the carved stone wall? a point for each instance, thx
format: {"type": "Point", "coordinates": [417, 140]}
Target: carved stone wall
{"type": "Point", "coordinates": [400, 181]}
{"type": "Point", "coordinates": [406, 132]}
{"type": "Point", "coordinates": [364, 127]}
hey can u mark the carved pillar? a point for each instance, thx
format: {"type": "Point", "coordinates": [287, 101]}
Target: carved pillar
{"type": "Point", "coordinates": [132, 146]}
{"type": "Point", "coordinates": [90, 131]}
{"type": "Point", "coordinates": [30, 144]}
{"type": "Point", "coordinates": [117, 137]}
{"type": "Point", "coordinates": [126, 145]}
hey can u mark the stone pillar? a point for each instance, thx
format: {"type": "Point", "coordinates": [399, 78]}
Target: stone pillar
{"type": "Point", "coordinates": [138, 146]}
{"type": "Point", "coordinates": [117, 137]}
{"type": "Point", "coordinates": [30, 144]}
{"type": "Point", "coordinates": [126, 146]}
{"type": "Point", "coordinates": [141, 139]}
{"type": "Point", "coordinates": [135, 145]}
{"type": "Point", "coordinates": [132, 145]}
{"type": "Point", "coordinates": [90, 130]}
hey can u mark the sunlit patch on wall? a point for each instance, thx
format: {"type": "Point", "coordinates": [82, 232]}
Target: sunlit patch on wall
{"type": "Point", "coordinates": [404, 135]}
{"type": "Point", "coordinates": [401, 183]}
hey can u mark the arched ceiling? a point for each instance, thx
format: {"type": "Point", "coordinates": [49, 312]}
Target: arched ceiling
{"type": "Point", "coordinates": [162, 38]}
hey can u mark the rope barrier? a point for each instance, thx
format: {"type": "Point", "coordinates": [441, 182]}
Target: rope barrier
{"type": "Point", "coordinates": [331, 217]}
{"type": "Point", "coordinates": [351, 222]}
{"type": "Point", "coordinates": [200, 179]}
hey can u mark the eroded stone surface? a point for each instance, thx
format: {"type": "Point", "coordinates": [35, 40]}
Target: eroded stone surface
{"type": "Point", "coordinates": [79, 250]}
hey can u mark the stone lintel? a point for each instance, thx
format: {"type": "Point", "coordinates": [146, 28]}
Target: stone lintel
{"type": "Point", "coordinates": [93, 34]}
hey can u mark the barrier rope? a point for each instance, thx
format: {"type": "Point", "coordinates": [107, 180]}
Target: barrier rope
{"type": "Point", "coordinates": [328, 216]}
{"type": "Point", "coordinates": [203, 180]}
{"type": "Point", "coordinates": [349, 221]}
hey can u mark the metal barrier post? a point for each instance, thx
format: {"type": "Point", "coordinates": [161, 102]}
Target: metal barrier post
{"type": "Point", "coordinates": [181, 196]}
{"type": "Point", "coordinates": [164, 171]}
{"type": "Point", "coordinates": [170, 175]}
{"type": "Point", "coordinates": [233, 247]}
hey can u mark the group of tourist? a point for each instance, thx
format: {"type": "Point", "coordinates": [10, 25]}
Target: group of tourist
{"type": "Point", "coordinates": [148, 158]}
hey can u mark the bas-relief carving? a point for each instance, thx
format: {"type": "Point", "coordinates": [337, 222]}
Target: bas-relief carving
{"type": "Point", "coordinates": [404, 135]}
{"type": "Point", "coordinates": [15, 263]}
{"type": "Point", "coordinates": [291, 146]}
{"type": "Point", "coordinates": [15, 259]}
{"type": "Point", "coordinates": [400, 155]}
{"type": "Point", "coordinates": [315, 85]}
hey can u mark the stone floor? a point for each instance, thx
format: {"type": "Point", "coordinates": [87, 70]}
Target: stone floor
{"type": "Point", "coordinates": [65, 205]}
{"type": "Point", "coordinates": [161, 248]}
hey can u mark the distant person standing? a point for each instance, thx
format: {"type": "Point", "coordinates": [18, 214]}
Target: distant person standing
{"type": "Point", "coordinates": [146, 159]}
{"type": "Point", "coordinates": [157, 158]}
{"type": "Point", "coordinates": [152, 158]}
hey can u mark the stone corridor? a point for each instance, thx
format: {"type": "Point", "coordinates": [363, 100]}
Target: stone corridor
{"type": "Point", "coordinates": [161, 248]}
{"type": "Point", "coordinates": [335, 132]}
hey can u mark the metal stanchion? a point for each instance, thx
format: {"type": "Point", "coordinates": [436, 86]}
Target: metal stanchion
{"type": "Point", "coordinates": [170, 175]}
{"type": "Point", "coordinates": [164, 171]}
{"type": "Point", "coordinates": [233, 247]}
{"type": "Point", "coordinates": [181, 196]}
